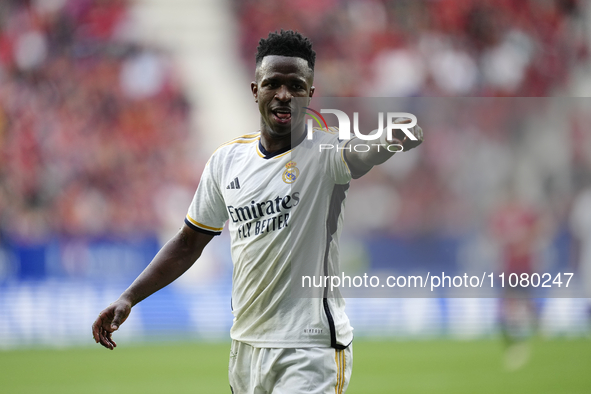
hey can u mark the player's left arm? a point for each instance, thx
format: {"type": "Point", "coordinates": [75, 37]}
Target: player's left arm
{"type": "Point", "coordinates": [360, 161]}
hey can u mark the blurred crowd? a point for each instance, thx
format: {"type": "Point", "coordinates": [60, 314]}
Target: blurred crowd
{"type": "Point", "coordinates": [92, 123]}
{"type": "Point", "coordinates": [480, 157]}
{"type": "Point", "coordinates": [393, 48]}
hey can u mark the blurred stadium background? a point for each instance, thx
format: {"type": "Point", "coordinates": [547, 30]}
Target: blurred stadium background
{"type": "Point", "coordinates": [109, 110]}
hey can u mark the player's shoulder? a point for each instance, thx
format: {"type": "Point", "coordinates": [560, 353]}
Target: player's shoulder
{"type": "Point", "coordinates": [332, 130]}
{"type": "Point", "coordinates": [324, 135]}
{"type": "Point", "coordinates": [237, 143]}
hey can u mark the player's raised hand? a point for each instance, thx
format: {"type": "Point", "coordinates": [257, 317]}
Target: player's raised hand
{"type": "Point", "coordinates": [109, 321]}
{"type": "Point", "coordinates": [400, 138]}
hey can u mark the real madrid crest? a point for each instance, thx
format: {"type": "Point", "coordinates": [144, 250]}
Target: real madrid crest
{"type": "Point", "coordinates": [291, 173]}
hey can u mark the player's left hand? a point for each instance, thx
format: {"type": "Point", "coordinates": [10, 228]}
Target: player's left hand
{"type": "Point", "coordinates": [400, 138]}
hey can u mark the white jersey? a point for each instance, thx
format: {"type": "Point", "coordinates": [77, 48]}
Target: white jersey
{"type": "Point", "coordinates": [285, 212]}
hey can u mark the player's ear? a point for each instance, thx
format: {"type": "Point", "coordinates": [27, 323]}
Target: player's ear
{"type": "Point", "coordinates": [312, 89]}
{"type": "Point", "coordinates": [255, 91]}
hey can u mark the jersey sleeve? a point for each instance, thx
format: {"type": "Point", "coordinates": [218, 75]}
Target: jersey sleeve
{"type": "Point", "coordinates": [207, 212]}
{"type": "Point", "coordinates": [334, 159]}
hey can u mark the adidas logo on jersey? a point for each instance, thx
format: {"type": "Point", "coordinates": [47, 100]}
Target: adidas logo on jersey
{"type": "Point", "coordinates": [234, 184]}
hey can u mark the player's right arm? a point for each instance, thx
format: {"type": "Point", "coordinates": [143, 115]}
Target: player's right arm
{"type": "Point", "coordinates": [176, 257]}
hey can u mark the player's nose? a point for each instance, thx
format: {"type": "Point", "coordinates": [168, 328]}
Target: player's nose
{"type": "Point", "coordinates": [283, 94]}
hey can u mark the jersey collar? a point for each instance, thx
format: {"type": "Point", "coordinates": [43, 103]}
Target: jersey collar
{"type": "Point", "coordinates": [269, 155]}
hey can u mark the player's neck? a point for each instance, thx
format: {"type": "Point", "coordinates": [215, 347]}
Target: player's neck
{"type": "Point", "coordinates": [274, 144]}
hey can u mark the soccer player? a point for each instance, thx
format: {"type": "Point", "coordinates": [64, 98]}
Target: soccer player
{"type": "Point", "coordinates": [279, 211]}
{"type": "Point", "coordinates": [518, 228]}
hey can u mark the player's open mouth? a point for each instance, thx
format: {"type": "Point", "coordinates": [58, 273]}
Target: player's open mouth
{"type": "Point", "coordinates": [282, 116]}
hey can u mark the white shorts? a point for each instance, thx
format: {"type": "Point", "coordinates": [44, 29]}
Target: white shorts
{"type": "Point", "coordinates": [289, 371]}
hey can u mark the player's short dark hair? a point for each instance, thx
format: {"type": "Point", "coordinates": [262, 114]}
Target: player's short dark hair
{"type": "Point", "coordinates": [286, 43]}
